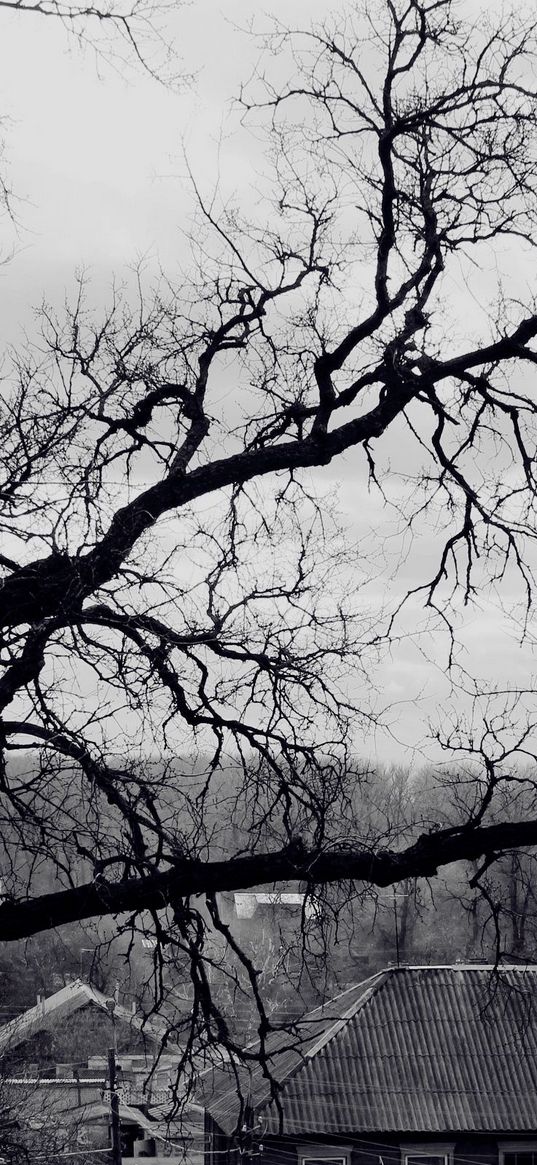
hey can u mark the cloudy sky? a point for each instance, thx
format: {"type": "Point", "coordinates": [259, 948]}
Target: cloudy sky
{"type": "Point", "coordinates": [95, 157]}
{"type": "Point", "coordinates": [95, 154]}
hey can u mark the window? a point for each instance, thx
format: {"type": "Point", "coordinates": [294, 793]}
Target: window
{"type": "Point", "coordinates": [517, 1153]}
{"type": "Point", "coordinates": [431, 1154]}
{"type": "Point", "coordinates": [323, 1160]}
{"type": "Point", "coordinates": [432, 1159]}
{"type": "Point", "coordinates": [323, 1154]}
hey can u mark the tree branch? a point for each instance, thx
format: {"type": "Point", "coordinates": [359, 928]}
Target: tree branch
{"type": "Point", "coordinates": [294, 863]}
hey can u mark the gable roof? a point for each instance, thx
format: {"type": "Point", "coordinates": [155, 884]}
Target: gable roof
{"type": "Point", "coordinates": [55, 1008]}
{"type": "Point", "coordinates": [411, 1050]}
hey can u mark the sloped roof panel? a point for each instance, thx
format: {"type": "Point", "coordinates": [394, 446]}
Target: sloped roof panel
{"type": "Point", "coordinates": [431, 1050]}
{"type": "Point", "coordinates": [225, 1091]}
{"type": "Point", "coordinates": [414, 1050]}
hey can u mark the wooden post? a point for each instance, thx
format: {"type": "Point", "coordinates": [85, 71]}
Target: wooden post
{"type": "Point", "coordinates": [114, 1108]}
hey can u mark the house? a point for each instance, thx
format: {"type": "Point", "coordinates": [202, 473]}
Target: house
{"type": "Point", "coordinates": [414, 1066]}
{"type": "Point", "coordinates": [75, 1115]}
{"type": "Point", "coordinates": [75, 1099]}
{"type": "Point", "coordinates": [54, 1009]}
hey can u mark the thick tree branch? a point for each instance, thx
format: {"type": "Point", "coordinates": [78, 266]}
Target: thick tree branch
{"type": "Point", "coordinates": [295, 863]}
{"type": "Point", "coordinates": [58, 585]}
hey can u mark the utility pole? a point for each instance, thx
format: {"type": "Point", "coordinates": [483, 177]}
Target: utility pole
{"type": "Point", "coordinates": [114, 1108]}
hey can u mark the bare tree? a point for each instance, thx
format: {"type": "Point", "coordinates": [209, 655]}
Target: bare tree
{"type": "Point", "coordinates": [121, 34]}
{"type": "Point", "coordinates": [183, 626]}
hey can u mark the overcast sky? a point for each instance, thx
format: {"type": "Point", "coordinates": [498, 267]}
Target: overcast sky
{"type": "Point", "coordinates": [95, 159]}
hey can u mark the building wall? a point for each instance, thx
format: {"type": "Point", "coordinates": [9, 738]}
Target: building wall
{"type": "Point", "coordinates": [381, 1149]}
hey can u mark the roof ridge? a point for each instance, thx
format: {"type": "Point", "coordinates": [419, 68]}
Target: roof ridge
{"type": "Point", "coordinates": [317, 1011]}
{"type": "Point", "coordinates": [376, 982]}
{"type": "Point", "coordinates": [498, 967]}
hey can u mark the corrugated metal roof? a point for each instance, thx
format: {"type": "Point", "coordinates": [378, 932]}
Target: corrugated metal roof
{"type": "Point", "coordinates": [224, 1089]}
{"type": "Point", "coordinates": [428, 1049]}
